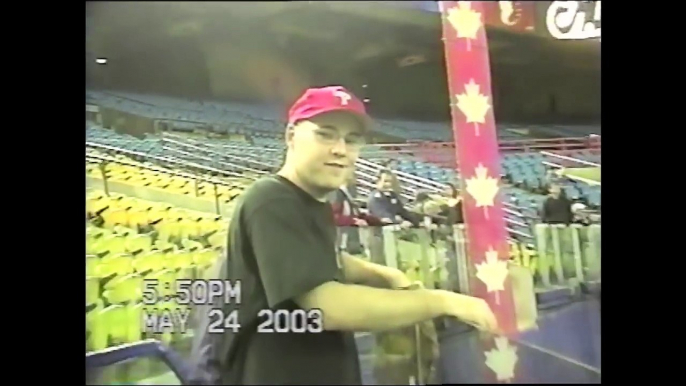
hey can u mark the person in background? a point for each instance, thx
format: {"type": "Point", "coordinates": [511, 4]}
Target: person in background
{"type": "Point", "coordinates": [346, 212]}
{"type": "Point", "coordinates": [391, 165]}
{"type": "Point", "coordinates": [348, 217]}
{"type": "Point", "coordinates": [444, 209]}
{"type": "Point", "coordinates": [385, 203]}
{"type": "Point", "coordinates": [557, 208]}
{"type": "Point", "coordinates": [452, 210]}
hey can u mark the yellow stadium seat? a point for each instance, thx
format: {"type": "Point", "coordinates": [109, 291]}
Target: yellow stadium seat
{"type": "Point", "coordinates": [134, 320]}
{"type": "Point", "coordinates": [123, 231]}
{"type": "Point", "coordinates": [190, 245]}
{"type": "Point", "coordinates": [180, 260]}
{"type": "Point", "coordinates": [112, 323]}
{"type": "Point", "coordinates": [110, 245]}
{"type": "Point", "coordinates": [120, 264]}
{"type": "Point", "coordinates": [218, 239]}
{"type": "Point", "coordinates": [150, 261]}
{"type": "Point", "coordinates": [122, 289]}
{"type": "Point", "coordinates": [137, 242]}
{"type": "Point", "coordinates": [92, 281]}
{"type": "Point", "coordinates": [97, 335]}
{"type": "Point", "coordinates": [95, 206]}
{"type": "Point", "coordinates": [138, 218]}
{"type": "Point", "coordinates": [187, 228]}
{"type": "Point", "coordinates": [205, 257]}
{"type": "Point", "coordinates": [114, 217]}
{"type": "Point", "coordinates": [91, 262]}
{"type": "Point", "coordinates": [164, 245]}
{"type": "Point", "coordinates": [168, 230]}
{"type": "Point", "coordinates": [92, 289]}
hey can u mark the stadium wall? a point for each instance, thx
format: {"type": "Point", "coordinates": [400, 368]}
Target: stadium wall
{"type": "Point", "coordinates": [536, 93]}
{"type": "Point", "coordinates": [254, 71]}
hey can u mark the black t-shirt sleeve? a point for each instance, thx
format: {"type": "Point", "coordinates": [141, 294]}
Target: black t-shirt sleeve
{"type": "Point", "coordinates": [292, 257]}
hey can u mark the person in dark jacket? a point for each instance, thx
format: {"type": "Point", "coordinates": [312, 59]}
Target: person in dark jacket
{"type": "Point", "coordinates": [557, 208]}
{"type": "Point", "coordinates": [346, 212]}
{"type": "Point", "coordinates": [452, 210]}
{"type": "Point", "coordinates": [348, 218]}
{"type": "Point", "coordinates": [385, 204]}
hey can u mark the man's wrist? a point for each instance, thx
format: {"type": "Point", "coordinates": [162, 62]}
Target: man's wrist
{"type": "Point", "coordinates": [437, 302]}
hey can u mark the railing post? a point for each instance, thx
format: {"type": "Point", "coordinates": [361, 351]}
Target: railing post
{"type": "Point", "coordinates": [576, 244]}
{"type": "Point", "coordinates": [425, 256]}
{"type": "Point", "coordinates": [390, 249]}
{"type": "Point", "coordinates": [462, 259]}
{"type": "Point", "coordinates": [593, 255]}
{"type": "Point", "coordinates": [216, 199]}
{"type": "Point", "coordinates": [557, 249]}
{"type": "Point", "coordinates": [197, 188]}
{"type": "Point", "coordinates": [543, 261]}
{"type": "Point", "coordinates": [103, 170]}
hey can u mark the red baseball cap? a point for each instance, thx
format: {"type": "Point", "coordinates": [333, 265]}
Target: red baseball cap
{"type": "Point", "coordinates": [315, 101]}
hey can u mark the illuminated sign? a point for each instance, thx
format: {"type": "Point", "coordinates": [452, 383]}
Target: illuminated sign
{"type": "Point", "coordinates": [573, 20]}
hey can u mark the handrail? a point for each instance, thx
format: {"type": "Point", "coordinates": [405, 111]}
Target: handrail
{"type": "Point", "coordinates": [373, 168]}
{"type": "Point", "coordinates": [158, 169]}
{"type": "Point", "coordinates": [578, 143]}
{"type": "Point", "coordinates": [167, 159]}
{"type": "Point", "coordinates": [233, 157]}
{"type": "Point", "coordinates": [244, 168]}
{"type": "Point", "coordinates": [587, 163]}
{"type": "Point", "coordinates": [363, 164]}
{"type": "Point", "coordinates": [219, 145]}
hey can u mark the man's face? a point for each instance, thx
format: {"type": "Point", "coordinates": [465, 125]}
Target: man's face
{"type": "Point", "coordinates": [555, 191]}
{"type": "Point", "coordinates": [324, 149]}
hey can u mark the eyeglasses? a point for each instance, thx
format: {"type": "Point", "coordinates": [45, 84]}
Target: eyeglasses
{"type": "Point", "coordinates": [332, 137]}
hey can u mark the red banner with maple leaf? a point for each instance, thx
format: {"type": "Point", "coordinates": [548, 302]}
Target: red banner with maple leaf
{"type": "Point", "coordinates": [476, 146]}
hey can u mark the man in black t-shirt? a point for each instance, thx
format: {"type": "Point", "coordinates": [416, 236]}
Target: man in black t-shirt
{"type": "Point", "coordinates": [281, 246]}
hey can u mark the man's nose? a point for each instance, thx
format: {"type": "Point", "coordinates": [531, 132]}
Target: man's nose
{"type": "Point", "coordinates": [340, 148]}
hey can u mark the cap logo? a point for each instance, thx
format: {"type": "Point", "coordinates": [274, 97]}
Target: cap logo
{"type": "Point", "coordinates": [343, 96]}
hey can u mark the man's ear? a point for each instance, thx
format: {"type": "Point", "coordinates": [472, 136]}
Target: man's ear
{"type": "Point", "coordinates": [289, 134]}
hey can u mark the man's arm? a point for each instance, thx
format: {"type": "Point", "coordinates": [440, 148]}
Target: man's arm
{"type": "Point", "coordinates": [405, 214]}
{"type": "Point", "coordinates": [359, 271]}
{"type": "Point", "coordinates": [352, 307]}
{"type": "Point", "coordinates": [372, 221]}
{"type": "Point", "coordinates": [297, 266]}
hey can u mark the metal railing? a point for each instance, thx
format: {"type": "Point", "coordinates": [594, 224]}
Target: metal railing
{"type": "Point", "coordinates": [366, 171]}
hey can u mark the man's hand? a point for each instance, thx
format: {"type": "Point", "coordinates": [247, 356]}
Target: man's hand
{"type": "Point", "coordinates": [387, 221]}
{"type": "Point", "coordinates": [406, 225]}
{"type": "Point", "coordinates": [359, 222]}
{"type": "Point", "coordinates": [471, 310]}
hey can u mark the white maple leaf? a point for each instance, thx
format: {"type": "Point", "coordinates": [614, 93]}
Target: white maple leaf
{"type": "Point", "coordinates": [492, 272]}
{"type": "Point", "coordinates": [502, 359]}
